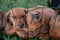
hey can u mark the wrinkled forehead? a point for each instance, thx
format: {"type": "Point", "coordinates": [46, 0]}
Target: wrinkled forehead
{"type": "Point", "coordinates": [18, 12]}
{"type": "Point", "coordinates": [33, 12]}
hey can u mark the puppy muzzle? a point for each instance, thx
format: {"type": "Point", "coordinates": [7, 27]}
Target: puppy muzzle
{"type": "Point", "coordinates": [21, 25]}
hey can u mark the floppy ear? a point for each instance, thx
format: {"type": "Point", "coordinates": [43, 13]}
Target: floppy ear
{"type": "Point", "coordinates": [7, 20]}
{"type": "Point", "coordinates": [8, 25]}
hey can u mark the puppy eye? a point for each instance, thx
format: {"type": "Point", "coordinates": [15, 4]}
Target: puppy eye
{"type": "Point", "coordinates": [14, 17]}
{"type": "Point", "coordinates": [24, 16]}
{"type": "Point", "coordinates": [35, 16]}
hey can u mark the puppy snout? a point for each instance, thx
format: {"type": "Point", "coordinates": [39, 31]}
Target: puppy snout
{"type": "Point", "coordinates": [21, 25]}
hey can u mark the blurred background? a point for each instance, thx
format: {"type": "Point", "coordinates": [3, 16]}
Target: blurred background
{"type": "Point", "coordinates": [9, 4]}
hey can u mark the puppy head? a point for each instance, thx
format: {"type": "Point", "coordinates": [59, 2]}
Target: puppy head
{"type": "Point", "coordinates": [17, 16]}
{"type": "Point", "coordinates": [33, 20]}
{"type": "Point", "coordinates": [14, 19]}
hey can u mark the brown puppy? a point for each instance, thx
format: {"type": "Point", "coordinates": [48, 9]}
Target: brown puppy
{"type": "Point", "coordinates": [55, 28]}
{"type": "Point", "coordinates": [16, 22]}
{"type": "Point", "coordinates": [38, 19]}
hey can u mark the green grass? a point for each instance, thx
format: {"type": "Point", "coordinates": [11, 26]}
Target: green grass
{"type": "Point", "coordinates": [8, 4]}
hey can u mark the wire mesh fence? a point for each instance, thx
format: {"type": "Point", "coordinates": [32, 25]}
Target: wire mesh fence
{"type": "Point", "coordinates": [6, 5]}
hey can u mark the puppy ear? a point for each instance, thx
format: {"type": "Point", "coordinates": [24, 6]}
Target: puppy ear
{"type": "Point", "coordinates": [6, 18]}
{"type": "Point", "coordinates": [9, 30]}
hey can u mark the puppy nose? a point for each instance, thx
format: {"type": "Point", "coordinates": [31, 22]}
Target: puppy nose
{"type": "Point", "coordinates": [21, 25]}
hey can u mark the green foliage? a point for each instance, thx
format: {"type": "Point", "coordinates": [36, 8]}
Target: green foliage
{"type": "Point", "coordinates": [8, 4]}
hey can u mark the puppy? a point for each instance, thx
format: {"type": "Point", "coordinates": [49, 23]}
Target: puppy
{"type": "Point", "coordinates": [38, 20]}
{"type": "Point", "coordinates": [16, 22]}
{"type": "Point", "coordinates": [55, 28]}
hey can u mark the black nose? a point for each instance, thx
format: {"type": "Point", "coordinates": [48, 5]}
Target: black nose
{"type": "Point", "coordinates": [21, 25]}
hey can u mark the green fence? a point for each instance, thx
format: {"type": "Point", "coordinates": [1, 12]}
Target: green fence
{"type": "Point", "coordinates": [9, 4]}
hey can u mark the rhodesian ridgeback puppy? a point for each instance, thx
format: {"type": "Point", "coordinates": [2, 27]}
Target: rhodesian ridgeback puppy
{"type": "Point", "coordinates": [38, 19]}
{"type": "Point", "coordinates": [15, 22]}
